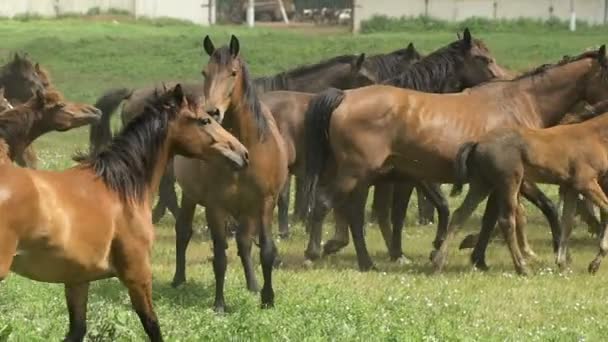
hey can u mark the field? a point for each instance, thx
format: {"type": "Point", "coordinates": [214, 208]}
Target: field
{"type": "Point", "coordinates": [332, 301]}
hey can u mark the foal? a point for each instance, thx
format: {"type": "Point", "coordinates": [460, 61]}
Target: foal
{"type": "Point", "coordinates": [53, 230]}
{"type": "Point", "coordinates": [45, 112]}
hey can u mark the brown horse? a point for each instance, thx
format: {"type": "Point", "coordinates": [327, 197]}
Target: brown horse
{"type": "Point", "coordinates": [573, 156]}
{"type": "Point", "coordinates": [53, 230]}
{"type": "Point", "coordinates": [249, 196]}
{"type": "Point", "coordinates": [46, 111]}
{"type": "Point", "coordinates": [340, 71]}
{"type": "Point", "coordinates": [21, 78]}
{"type": "Point", "coordinates": [462, 63]}
{"type": "Point", "coordinates": [381, 131]}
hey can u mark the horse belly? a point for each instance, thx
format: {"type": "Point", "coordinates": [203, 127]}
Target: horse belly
{"type": "Point", "coordinates": [49, 267]}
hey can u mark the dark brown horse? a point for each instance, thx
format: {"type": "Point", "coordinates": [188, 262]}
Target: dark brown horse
{"type": "Point", "coordinates": [46, 111]}
{"type": "Point", "coordinates": [249, 196]}
{"type": "Point", "coordinates": [572, 156]}
{"type": "Point", "coordinates": [340, 71]}
{"type": "Point", "coordinates": [460, 64]}
{"type": "Point", "coordinates": [54, 231]}
{"type": "Point", "coordinates": [381, 131]}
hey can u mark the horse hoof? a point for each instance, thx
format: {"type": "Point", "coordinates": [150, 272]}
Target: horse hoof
{"type": "Point", "coordinates": [220, 309]}
{"type": "Point", "coordinates": [332, 247]}
{"type": "Point", "coordinates": [178, 281]}
{"type": "Point", "coordinates": [366, 267]}
{"type": "Point", "coordinates": [267, 298]}
{"type": "Point", "coordinates": [403, 260]}
{"type": "Point", "coordinates": [312, 256]}
{"type": "Point", "coordinates": [438, 260]}
{"type": "Point", "coordinates": [522, 270]}
{"type": "Point", "coordinates": [594, 266]}
{"type": "Point", "coordinates": [530, 255]}
{"type": "Point", "coordinates": [480, 265]}
{"type": "Point", "coordinates": [277, 263]}
{"type": "Point", "coordinates": [308, 263]}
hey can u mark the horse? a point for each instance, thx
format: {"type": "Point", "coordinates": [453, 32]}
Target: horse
{"type": "Point", "coordinates": [53, 230]}
{"type": "Point", "coordinates": [46, 111]}
{"type": "Point", "coordinates": [572, 156]}
{"type": "Point", "coordinates": [340, 71]}
{"type": "Point", "coordinates": [248, 196]}
{"type": "Point", "coordinates": [382, 131]}
{"type": "Point", "coordinates": [288, 109]}
{"type": "Point", "coordinates": [448, 69]}
{"type": "Point", "coordinates": [21, 78]}
{"type": "Point", "coordinates": [4, 102]}
{"type": "Point", "coordinates": [462, 63]}
{"type": "Point", "coordinates": [583, 206]}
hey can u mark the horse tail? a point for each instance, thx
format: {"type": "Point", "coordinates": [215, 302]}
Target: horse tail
{"type": "Point", "coordinates": [100, 133]}
{"type": "Point", "coordinates": [316, 122]}
{"type": "Point", "coordinates": [461, 166]}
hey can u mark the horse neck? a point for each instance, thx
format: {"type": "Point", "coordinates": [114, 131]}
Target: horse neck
{"type": "Point", "coordinates": [239, 119]}
{"type": "Point", "coordinates": [20, 132]}
{"type": "Point", "coordinates": [557, 90]}
{"type": "Point", "coordinates": [319, 78]}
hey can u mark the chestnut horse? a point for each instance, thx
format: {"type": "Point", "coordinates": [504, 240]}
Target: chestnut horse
{"type": "Point", "coordinates": [53, 230]}
{"type": "Point", "coordinates": [46, 111]}
{"type": "Point", "coordinates": [462, 63]}
{"type": "Point", "coordinates": [572, 156]}
{"type": "Point", "coordinates": [249, 196]}
{"type": "Point", "coordinates": [380, 131]}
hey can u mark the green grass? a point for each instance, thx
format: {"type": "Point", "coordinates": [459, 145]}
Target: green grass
{"type": "Point", "coordinates": [332, 301]}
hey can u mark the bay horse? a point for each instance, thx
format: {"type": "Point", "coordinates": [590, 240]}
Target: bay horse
{"type": "Point", "coordinates": [460, 64]}
{"type": "Point", "coordinates": [381, 131]}
{"type": "Point", "coordinates": [573, 156]}
{"type": "Point", "coordinates": [46, 111]}
{"type": "Point", "coordinates": [52, 229]}
{"type": "Point", "coordinates": [339, 71]}
{"type": "Point", "coordinates": [21, 78]}
{"type": "Point", "coordinates": [248, 196]}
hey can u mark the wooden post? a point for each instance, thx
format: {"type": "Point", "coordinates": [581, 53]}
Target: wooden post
{"type": "Point", "coordinates": [283, 12]}
{"type": "Point", "coordinates": [251, 13]}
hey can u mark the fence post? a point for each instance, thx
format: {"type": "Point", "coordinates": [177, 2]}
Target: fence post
{"type": "Point", "coordinates": [572, 16]}
{"type": "Point", "coordinates": [251, 13]}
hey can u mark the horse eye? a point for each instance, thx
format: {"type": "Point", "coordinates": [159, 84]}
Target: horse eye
{"type": "Point", "coordinates": [233, 73]}
{"type": "Point", "coordinates": [204, 121]}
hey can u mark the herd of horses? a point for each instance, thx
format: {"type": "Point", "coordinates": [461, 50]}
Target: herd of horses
{"type": "Point", "coordinates": [398, 121]}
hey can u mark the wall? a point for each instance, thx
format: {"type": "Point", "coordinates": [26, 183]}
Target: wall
{"type": "Point", "coordinates": [191, 10]}
{"type": "Point", "coordinates": [591, 11]}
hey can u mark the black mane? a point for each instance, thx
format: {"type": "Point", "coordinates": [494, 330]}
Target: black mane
{"type": "Point", "coordinates": [126, 166]}
{"type": "Point", "coordinates": [435, 73]}
{"type": "Point", "coordinates": [223, 56]}
{"type": "Point", "coordinates": [389, 65]}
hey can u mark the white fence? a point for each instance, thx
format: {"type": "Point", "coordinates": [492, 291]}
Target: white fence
{"type": "Point", "coordinates": [591, 11]}
{"type": "Point", "coordinates": [196, 11]}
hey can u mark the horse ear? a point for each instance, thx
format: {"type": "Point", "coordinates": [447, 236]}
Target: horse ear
{"type": "Point", "coordinates": [178, 94]}
{"type": "Point", "coordinates": [410, 47]}
{"type": "Point", "coordinates": [359, 62]}
{"type": "Point", "coordinates": [602, 54]}
{"type": "Point", "coordinates": [235, 46]}
{"type": "Point", "coordinates": [467, 39]}
{"type": "Point", "coordinates": [208, 46]}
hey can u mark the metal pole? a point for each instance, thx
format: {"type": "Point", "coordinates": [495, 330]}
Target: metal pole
{"type": "Point", "coordinates": [605, 11]}
{"type": "Point", "coordinates": [572, 16]}
{"type": "Point", "coordinates": [251, 13]}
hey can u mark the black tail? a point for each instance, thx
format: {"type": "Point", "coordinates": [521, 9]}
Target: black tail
{"type": "Point", "coordinates": [101, 133]}
{"type": "Point", "coordinates": [316, 123]}
{"type": "Point", "coordinates": [461, 166]}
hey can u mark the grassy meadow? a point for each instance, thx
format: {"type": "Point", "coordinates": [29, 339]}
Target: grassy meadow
{"type": "Point", "coordinates": [331, 301]}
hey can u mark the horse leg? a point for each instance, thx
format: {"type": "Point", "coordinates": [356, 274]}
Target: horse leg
{"type": "Point", "coordinates": [354, 209]}
{"type": "Point", "coordinates": [584, 208]}
{"type": "Point", "coordinates": [341, 236]}
{"type": "Point", "coordinates": [569, 199]}
{"type": "Point", "coordinates": [132, 265]}
{"type": "Point", "coordinates": [268, 253]}
{"type": "Point", "coordinates": [477, 193]}
{"type": "Point", "coordinates": [507, 221]}
{"type": "Point", "coordinates": [488, 223]}
{"type": "Point", "coordinates": [167, 197]}
{"type": "Point", "coordinates": [299, 202]}
{"type": "Point", "coordinates": [522, 236]}
{"type": "Point", "coordinates": [383, 193]}
{"type": "Point", "coordinates": [401, 199]}
{"type": "Point", "coordinates": [534, 195]}
{"type": "Point", "coordinates": [216, 219]}
{"type": "Point", "coordinates": [8, 247]}
{"type": "Point", "coordinates": [76, 296]}
{"type": "Point", "coordinates": [283, 205]}
{"type": "Point", "coordinates": [315, 224]}
{"type": "Point", "coordinates": [595, 193]}
{"type": "Point", "coordinates": [183, 234]}
{"type": "Point", "coordinates": [244, 241]}
{"type": "Point", "coordinates": [426, 211]}
{"type": "Point", "coordinates": [432, 192]}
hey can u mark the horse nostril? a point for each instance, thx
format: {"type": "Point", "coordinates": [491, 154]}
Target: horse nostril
{"type": "Point", "coordinates": [246, 156]}
{"type": "Point", "coordinates": [214, 113]}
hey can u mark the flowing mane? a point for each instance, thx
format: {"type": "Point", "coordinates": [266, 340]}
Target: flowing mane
{"type": "Point", "coordinates": [222, 56]}
{"type": "Point", "coordinates": [434, 72]}
{"type": "Point", "coordinates": [126, 166]}
{"type": "Point", "coordinates": [390, 64]}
